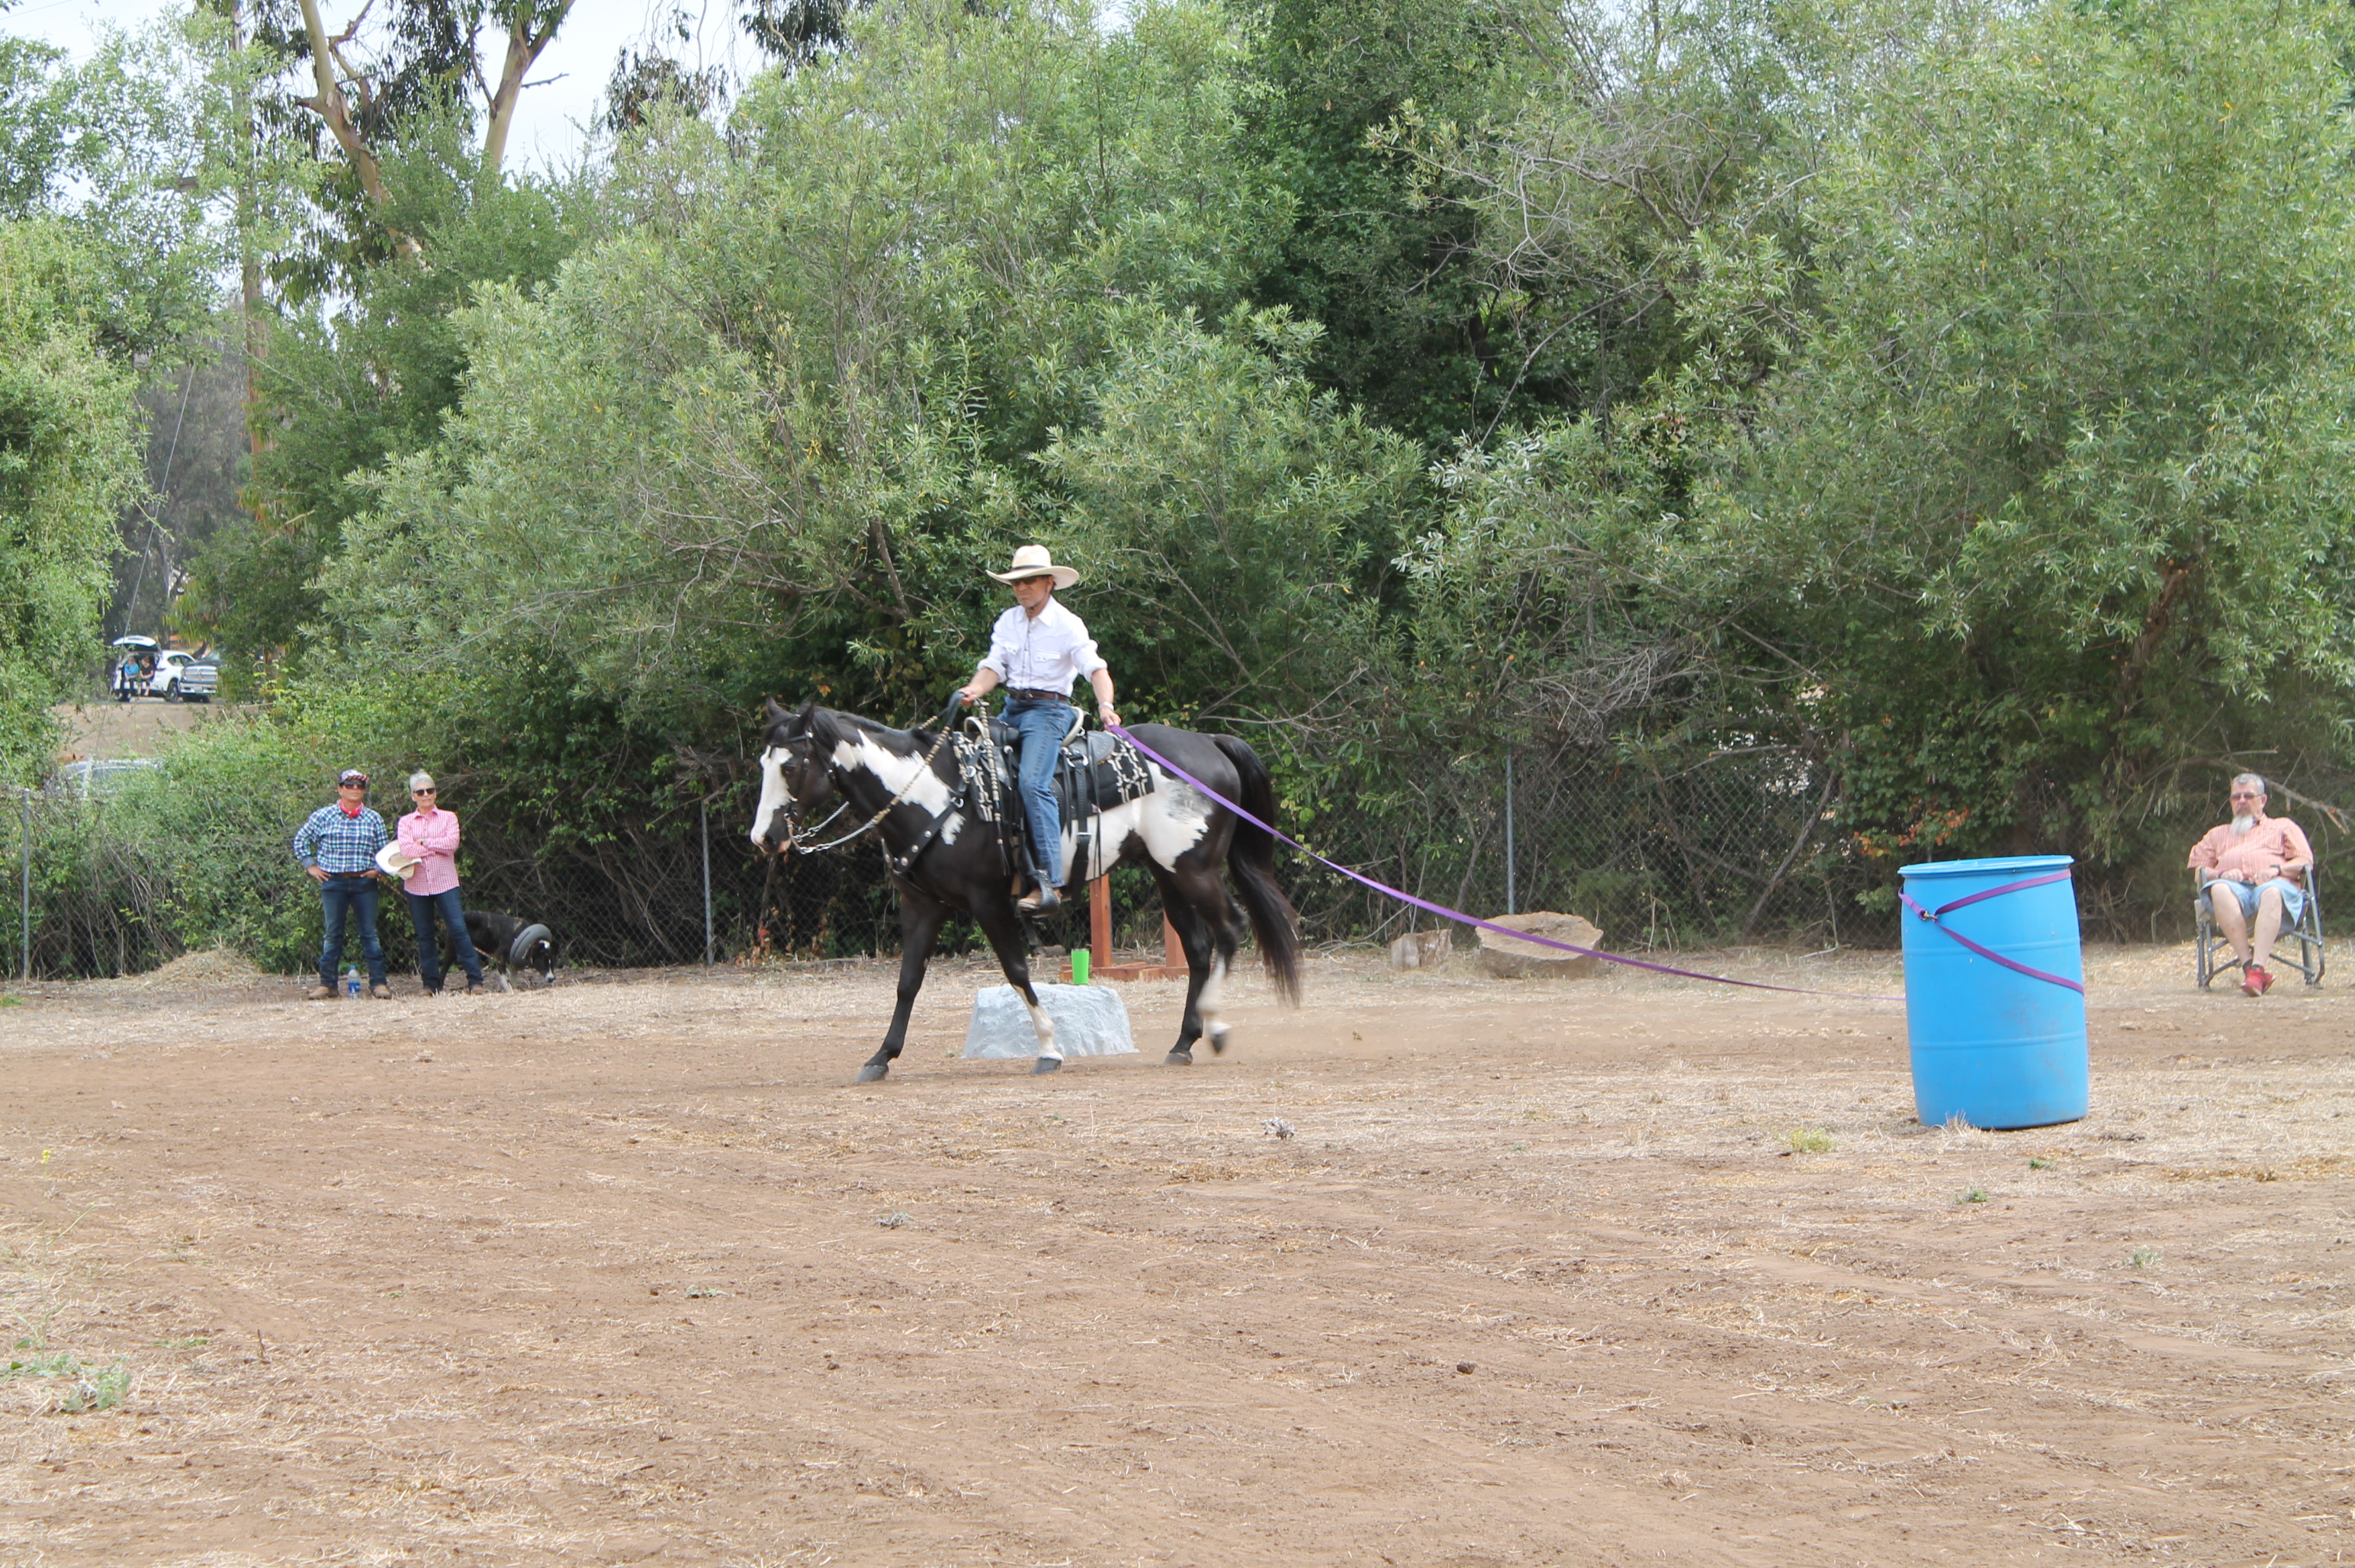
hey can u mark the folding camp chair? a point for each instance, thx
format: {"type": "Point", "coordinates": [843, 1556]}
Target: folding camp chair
{"type": "Point", "coordinates": [2297, 947]}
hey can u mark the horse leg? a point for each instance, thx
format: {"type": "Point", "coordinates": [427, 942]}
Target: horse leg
{"type": "Point", "coordinates": [1225, 922]}
{"type": "Point", "coordinates": [1004, 928]}
{"type": "Point", "coordinates": [1196, 908]}
{"type": "Point", "coordinates": [919, 926]}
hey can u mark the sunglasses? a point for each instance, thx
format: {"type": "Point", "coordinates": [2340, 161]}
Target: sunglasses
{"type": "Point", "coordinates": [424, 791]}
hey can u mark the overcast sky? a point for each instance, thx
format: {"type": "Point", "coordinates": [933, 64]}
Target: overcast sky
{"type": "Point", "coordinates": [581, 60]}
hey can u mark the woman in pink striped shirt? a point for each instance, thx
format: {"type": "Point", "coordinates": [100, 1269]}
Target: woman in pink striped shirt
{"type": "Point", "coordinates": [430, 837]}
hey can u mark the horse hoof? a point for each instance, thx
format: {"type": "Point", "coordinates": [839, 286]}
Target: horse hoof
{"type": "Point", "coordinates": [874, 1072]}
{"type": "Point", "coordinates": [1178, 1058]}
{"type": "Point", "coordinates": [1219, 1043]}
{"type": "Point", "coordinates": [1046, 1064]}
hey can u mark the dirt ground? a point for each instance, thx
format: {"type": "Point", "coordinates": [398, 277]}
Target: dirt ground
{"type": "Point", "coordinates": [107, 729]}
{"type": "Point", "coordinates": [624, 1271]}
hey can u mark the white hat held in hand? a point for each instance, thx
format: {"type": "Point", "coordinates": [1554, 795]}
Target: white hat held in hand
{"type": "Point", "coordinates": [1032, 561]}
{"type": "Point", "coordinates": [393, 863]}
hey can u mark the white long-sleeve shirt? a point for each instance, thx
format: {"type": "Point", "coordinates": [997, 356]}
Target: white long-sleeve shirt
{"type": "Point", "coordinates": [1045, 652]}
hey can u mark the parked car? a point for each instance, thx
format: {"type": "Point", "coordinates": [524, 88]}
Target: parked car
{"type": "Point", "coordinates": [146, 668]}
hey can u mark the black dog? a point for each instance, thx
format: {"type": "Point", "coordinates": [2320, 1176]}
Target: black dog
{"type": "Point", "coordinates": [516, 946]}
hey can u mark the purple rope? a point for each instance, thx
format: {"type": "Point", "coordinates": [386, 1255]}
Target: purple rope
{"type": "Point", "coordinates": [1458, 915]}
{"type": "Point", "coordinates": [1932, 915]}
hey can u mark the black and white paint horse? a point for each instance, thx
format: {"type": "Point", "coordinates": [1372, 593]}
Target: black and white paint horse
{"type": "Point", "coordinates": [1179, 835]}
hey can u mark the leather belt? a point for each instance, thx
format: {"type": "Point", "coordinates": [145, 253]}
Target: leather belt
{"type": "Point", "coordinates": [1026, 693]}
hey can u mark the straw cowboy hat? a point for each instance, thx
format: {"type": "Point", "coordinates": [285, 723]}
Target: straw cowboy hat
{"type": "Point", "coordinates": [1032, 561]}
{"type": "Point", "coordinates": [393, 863]}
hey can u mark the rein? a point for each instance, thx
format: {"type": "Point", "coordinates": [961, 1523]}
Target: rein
{"type": "Point", "coordinates": [792, 833]}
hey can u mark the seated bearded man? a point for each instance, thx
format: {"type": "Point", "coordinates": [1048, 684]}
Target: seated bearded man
{"type": "Point", "coordinates": [2254, 867]}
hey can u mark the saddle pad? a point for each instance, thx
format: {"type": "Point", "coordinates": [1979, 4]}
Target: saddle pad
{"type": "Point", "coordinates": [1089, 1021]}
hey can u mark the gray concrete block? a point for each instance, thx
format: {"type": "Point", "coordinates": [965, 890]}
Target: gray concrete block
{"type": "Point", "coordinates": [1089, 1021]}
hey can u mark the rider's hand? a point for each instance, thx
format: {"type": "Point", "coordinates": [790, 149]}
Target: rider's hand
{"type": "Point", "coordinates": [972, 691]}
{"type": "Point", "coordinates": [1105, 711]}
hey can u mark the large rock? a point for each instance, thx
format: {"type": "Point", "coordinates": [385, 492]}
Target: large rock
{"type": "Point", "coordinates": [1089, 1021]}
{"type": "Point", "coordinates": [1508, 959]}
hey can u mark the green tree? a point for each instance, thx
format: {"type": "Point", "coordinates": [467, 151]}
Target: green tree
{"type": "Point", "coordinates": [758, 437]}
{"type": "Point", "coordinates": [1392, 274]}
{"type": "Point", "coordinates": [2064, 465]}
{"type": "Point", "coordinates": [1241, 522]}
{"type": "Point", "coordinates": [2043, 487]}
{"type": "Point", "coordinates": [68, 462]}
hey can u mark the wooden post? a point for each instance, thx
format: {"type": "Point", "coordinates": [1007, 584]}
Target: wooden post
{"type": "Point", "coordinates": [1100, 923]}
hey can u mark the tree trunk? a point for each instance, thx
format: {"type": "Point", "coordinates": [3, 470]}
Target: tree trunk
{"type": "Point", "coordinates": [248, 267]}
{"type": "Point", "coordinates": [336, 112]}
{"type": "Point", "coordinates": [530, 29]}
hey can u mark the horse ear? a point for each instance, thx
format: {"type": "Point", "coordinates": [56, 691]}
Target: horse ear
{"type": "Point", "coordinates": [777, 712]}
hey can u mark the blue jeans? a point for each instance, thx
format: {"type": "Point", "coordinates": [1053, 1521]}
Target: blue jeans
{"type": "Point", "coordinates": [344, 897]}
{"type": "Point", "coordinates": [1043, 725]}
{"type": "Point", "coordinates": [422, 908]}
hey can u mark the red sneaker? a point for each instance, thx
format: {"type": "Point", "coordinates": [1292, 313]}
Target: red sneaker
{"type": "Point", "coordinates": [2256, 982]}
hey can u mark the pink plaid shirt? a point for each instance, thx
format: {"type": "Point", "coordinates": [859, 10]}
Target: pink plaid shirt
{"type": "Point", "coordinates": [432, 837]}
{"type": "Point", "coordinates": [2271, 841]}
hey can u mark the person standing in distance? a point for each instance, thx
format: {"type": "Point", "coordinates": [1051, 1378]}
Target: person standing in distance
{"type": "Point", "coordinates": [1037, 649]}
{"type": "Point", "coordinates": [336, 846]}
{"type": "Point", "coordinates": [428, 835]}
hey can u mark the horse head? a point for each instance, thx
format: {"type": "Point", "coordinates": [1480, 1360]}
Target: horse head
{"type": "Point", "coordinates": [795, 770]}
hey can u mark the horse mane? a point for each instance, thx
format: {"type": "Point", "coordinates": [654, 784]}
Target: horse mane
{"type": "Point", "coordinates": [828, 727]}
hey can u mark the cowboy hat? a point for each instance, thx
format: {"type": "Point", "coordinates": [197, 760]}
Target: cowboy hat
{"type": "Point", "coordinates": [393, 863]}
{"type": "Point", "coordinates": [1032, 561]}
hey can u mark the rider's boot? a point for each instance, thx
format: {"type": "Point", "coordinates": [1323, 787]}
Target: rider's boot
{"type": "Point", "coordinates": [1042, 898]}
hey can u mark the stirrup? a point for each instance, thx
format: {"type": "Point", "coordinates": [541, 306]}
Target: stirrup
{"type": "Point", "coordinates": [1040, 899]}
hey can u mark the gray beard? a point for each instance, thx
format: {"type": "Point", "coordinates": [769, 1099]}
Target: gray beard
{"type": "Point", "coordinates": [2241, 825]}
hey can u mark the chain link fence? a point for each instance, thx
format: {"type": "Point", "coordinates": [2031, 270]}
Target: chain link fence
{"type": "Point", "coordinates": [1735, 848]}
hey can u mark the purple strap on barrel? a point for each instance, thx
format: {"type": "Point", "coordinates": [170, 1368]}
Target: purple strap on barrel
{"type": "Point", "coordinates": [1933, 916]}
{"type": "Point", "coordinates": [1174, 770]}
{"type": "Point", "coordinates": [2019, 886]}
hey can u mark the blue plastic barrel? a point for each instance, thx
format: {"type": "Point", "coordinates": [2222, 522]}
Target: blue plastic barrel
{"type": "Point", "coordinates": [1996, 1047]}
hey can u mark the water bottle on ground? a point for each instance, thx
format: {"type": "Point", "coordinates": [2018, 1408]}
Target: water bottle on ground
{"type": "Point", "coordinates": [352, 981]}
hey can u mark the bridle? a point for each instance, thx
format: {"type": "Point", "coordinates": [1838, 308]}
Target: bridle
{"type": "Point", "coordinates": [794, 832]}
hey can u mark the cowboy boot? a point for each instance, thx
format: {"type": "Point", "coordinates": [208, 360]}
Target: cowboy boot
{"type": "Point", "coordinates": [1042, 898]}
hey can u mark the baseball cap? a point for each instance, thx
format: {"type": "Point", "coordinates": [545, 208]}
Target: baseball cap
{"type": "Point", "coordinates": [350, 776]}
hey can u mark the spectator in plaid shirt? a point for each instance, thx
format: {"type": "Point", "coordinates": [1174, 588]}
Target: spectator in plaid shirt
{"type": "Point", "coordinates": [338, 846]}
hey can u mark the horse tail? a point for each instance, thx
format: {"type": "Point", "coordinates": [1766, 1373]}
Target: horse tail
{"type": "Point", "coordinates": [1253, 861]}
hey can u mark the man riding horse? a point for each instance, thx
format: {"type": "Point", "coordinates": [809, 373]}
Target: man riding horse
{"type": "Point", "coordinates": [945, 835]}
{"type": "Point", "coordinates": [1037, 649]}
